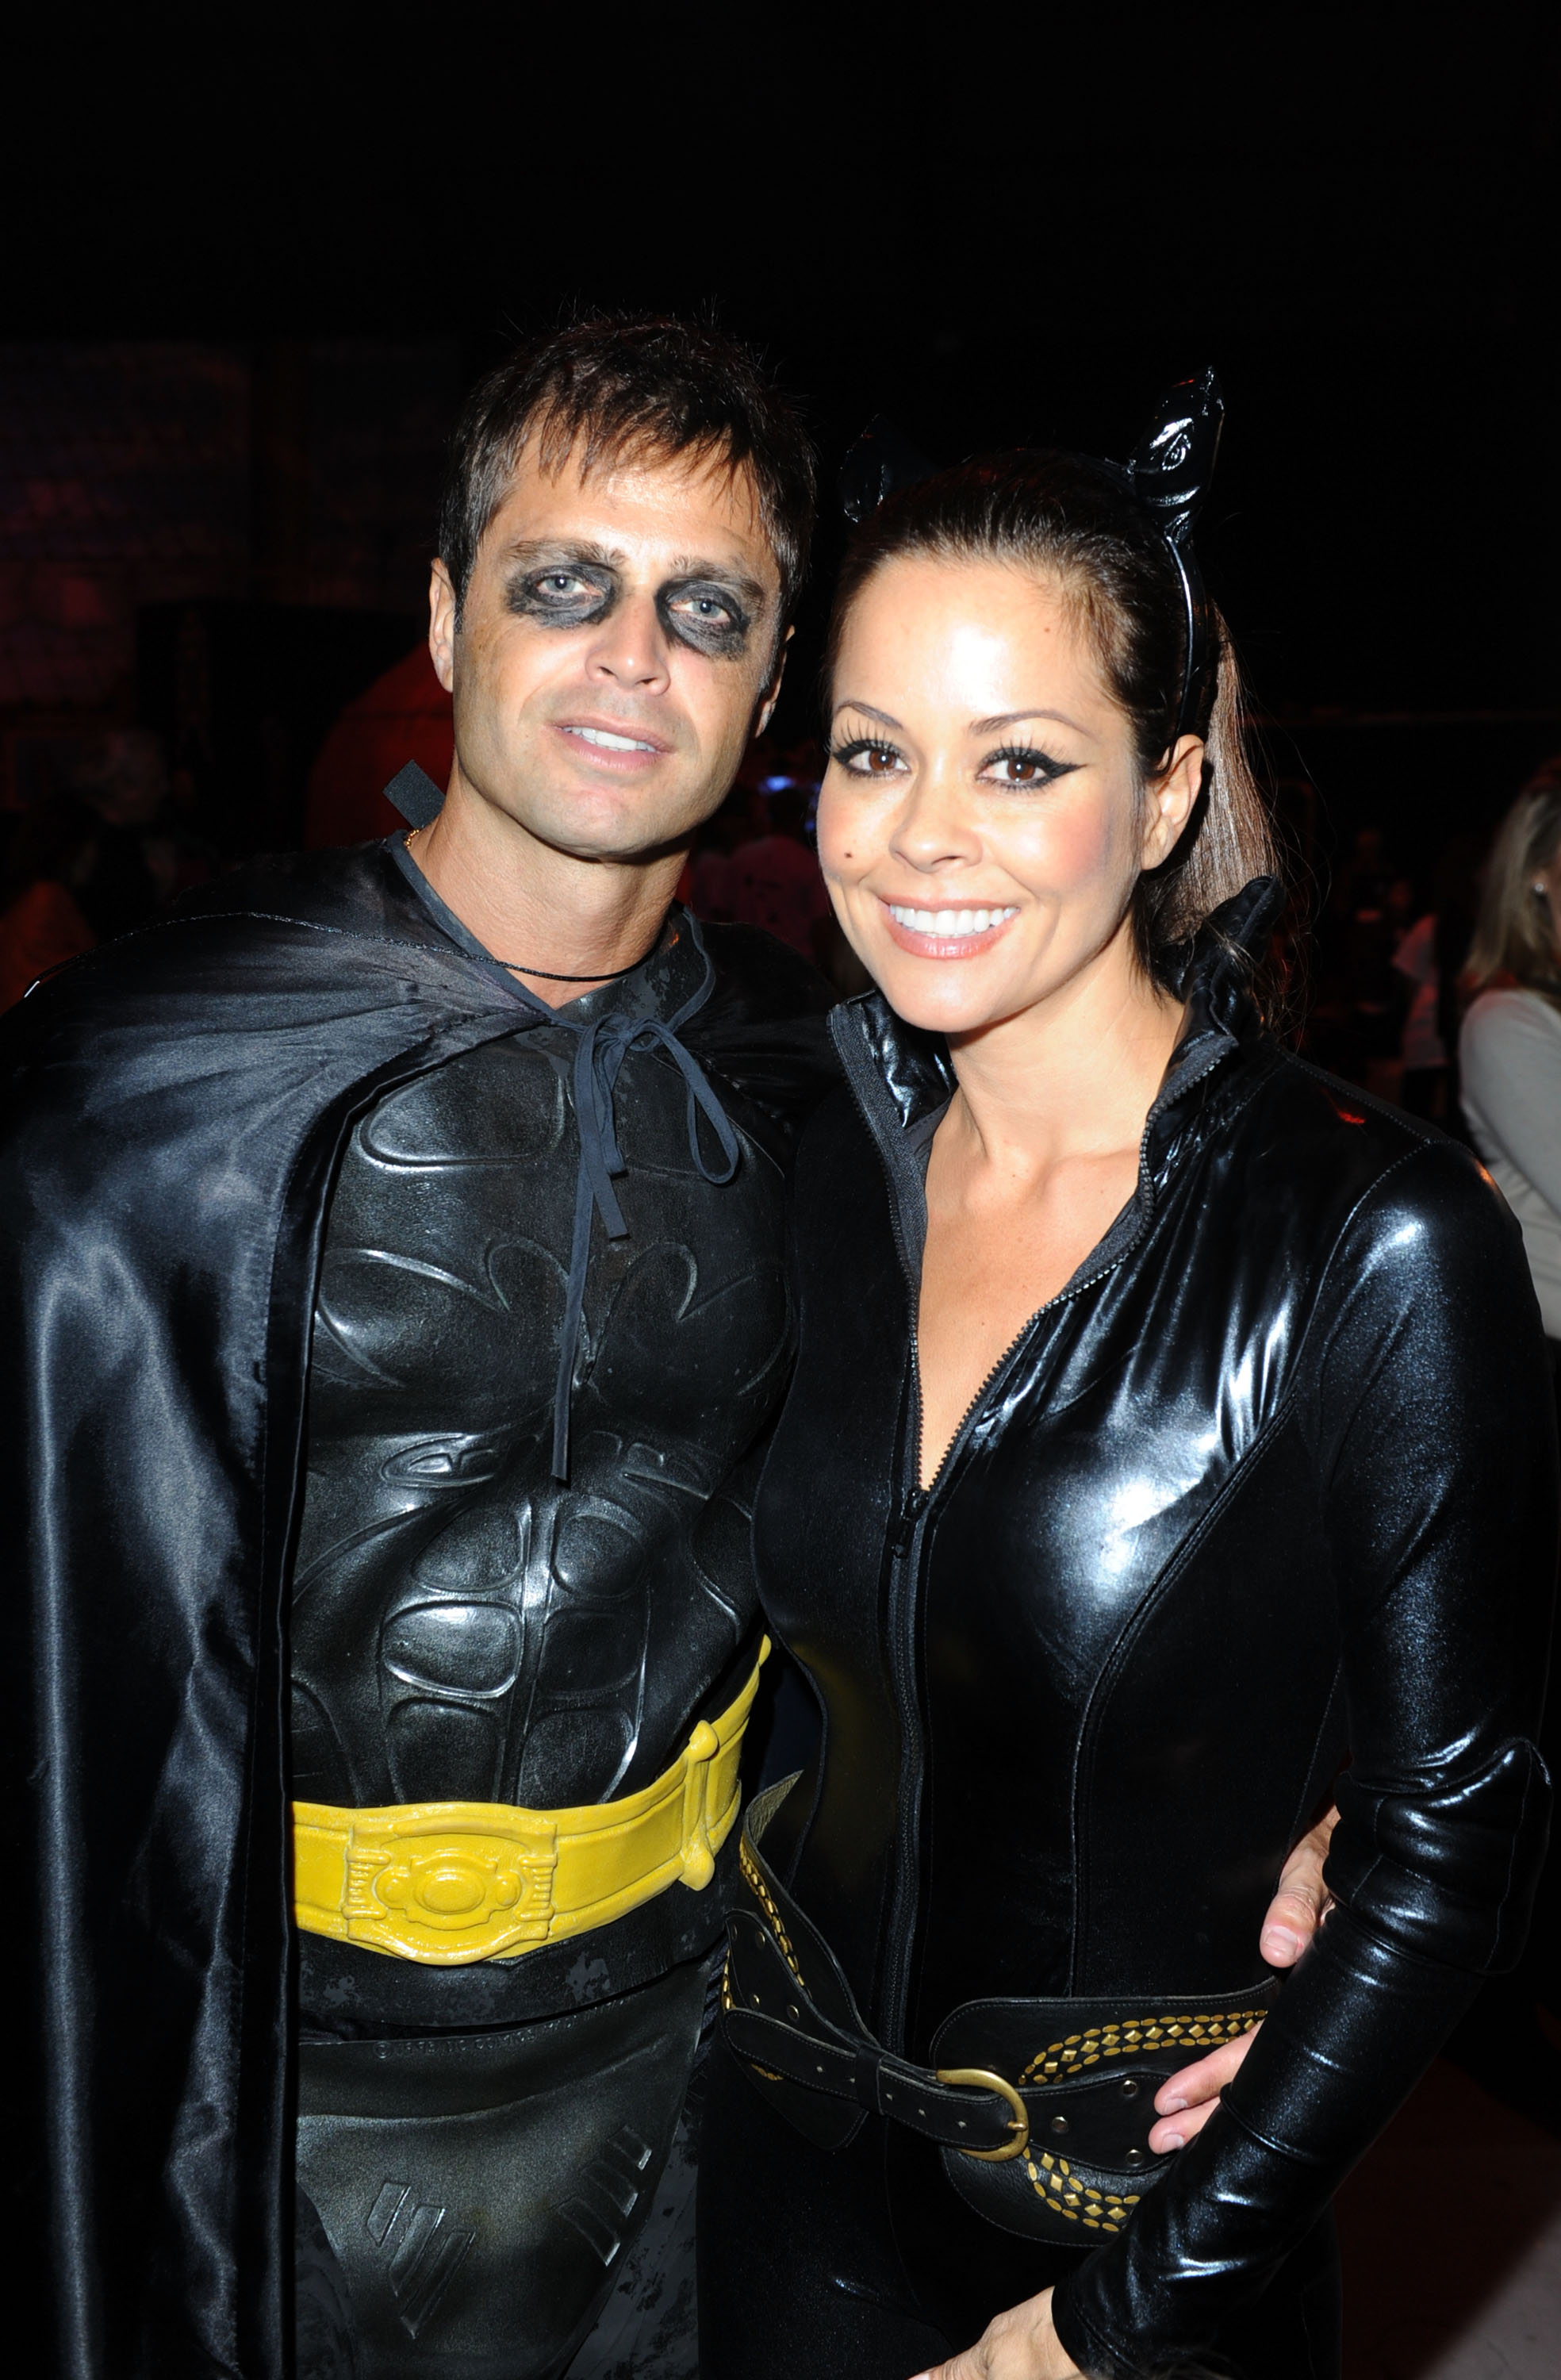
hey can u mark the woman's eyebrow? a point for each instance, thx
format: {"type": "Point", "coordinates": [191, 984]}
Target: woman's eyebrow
{"type": "Point", "coordinates": [1011, 718]}
{"type": "Point", "coordinates": [866, 709]}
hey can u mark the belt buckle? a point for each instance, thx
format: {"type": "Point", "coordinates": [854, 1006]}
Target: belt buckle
{"type": "Point", "coordinates": [449, 1894]}
{"type": "Point", "coordinates": [982, 2079]}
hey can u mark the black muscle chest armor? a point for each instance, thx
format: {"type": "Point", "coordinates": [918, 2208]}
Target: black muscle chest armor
{"type": "Point", "coordinates": [465, 1627]}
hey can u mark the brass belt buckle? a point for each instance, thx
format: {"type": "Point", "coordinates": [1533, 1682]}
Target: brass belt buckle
{"type": "Point", "coordinates": [1021, 2124]}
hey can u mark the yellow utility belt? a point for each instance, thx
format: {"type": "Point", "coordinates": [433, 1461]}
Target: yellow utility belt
{"type": "Point", "coordinates": [447, 1883]}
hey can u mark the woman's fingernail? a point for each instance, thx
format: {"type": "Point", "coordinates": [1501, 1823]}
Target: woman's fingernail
{"type": "Point", "coordinates": [1173, 2141]}
{"type": "Point", "coordinates": [1170, 2106]}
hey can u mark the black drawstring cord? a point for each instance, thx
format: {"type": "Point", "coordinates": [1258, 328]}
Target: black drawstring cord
{"type": "Point", "coordinates": [603, 1045]}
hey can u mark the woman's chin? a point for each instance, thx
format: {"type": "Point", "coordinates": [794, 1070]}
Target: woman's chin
{"type": "Point", "coordinates": [941, 995]}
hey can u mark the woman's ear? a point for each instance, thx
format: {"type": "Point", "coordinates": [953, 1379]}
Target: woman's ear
{"type": "Point", "coordinates": [1171, 799]}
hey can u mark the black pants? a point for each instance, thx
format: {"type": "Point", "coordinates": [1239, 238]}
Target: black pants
{"type": "Point", "coordinates": [863, 2265]}
{"type": "Point", "coordinates": [463, 2199]}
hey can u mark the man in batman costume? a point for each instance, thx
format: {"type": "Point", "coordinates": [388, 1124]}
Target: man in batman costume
{"type": "Point", "coordinates": [397, 1319]}
{"type": "Point", "coordinates": [395, 1294]}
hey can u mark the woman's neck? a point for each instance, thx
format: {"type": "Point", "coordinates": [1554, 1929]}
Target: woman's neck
{"type": "Point", "coordinates": [1073, 1076]}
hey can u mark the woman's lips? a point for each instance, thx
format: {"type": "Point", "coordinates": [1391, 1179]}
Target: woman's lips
{"type": "Point", "coordinates": [948, 932]}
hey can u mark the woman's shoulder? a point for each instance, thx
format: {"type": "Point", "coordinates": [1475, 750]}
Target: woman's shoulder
{"type": "Point", "coordinates": [1510, 1013]}
{"type": "Point", "coordinates": [1330, 1147]}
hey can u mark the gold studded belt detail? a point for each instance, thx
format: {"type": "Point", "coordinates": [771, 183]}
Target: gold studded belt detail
{"type": "Point", "coordinates": [448, 1883]}
{"type": "Point", "coordinates": [1045, 2142]}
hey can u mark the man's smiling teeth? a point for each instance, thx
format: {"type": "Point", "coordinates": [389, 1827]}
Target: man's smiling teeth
{"type": "Point", "coordinates": [611, 743]}
{"type": "Point", "coordinates": [948, 921]}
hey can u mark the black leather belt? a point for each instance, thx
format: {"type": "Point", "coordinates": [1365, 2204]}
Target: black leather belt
{"type": "Point", "coordinates": [1042, 2108]}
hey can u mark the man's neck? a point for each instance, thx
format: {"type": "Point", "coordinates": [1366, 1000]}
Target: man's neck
{"type": "Point", "coordinates": [545, 913]}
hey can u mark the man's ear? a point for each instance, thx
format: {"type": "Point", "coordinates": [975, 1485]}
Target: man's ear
{"type": "Point", "coordinates": [442, 626]}
{"type": "Point", "coordinates": [771, 694]}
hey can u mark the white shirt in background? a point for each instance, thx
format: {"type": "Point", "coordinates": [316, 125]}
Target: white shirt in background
{"type": "Point", "coordinates": [1509, 1053]}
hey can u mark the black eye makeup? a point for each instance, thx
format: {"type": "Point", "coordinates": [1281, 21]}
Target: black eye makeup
{"type": "Point", "coordinates": [710, 617]}
{"type": "Point", "coordinates": [1022, 768]}
{"type": "Point", "coordinates": [575, 590]}
{"type": "Point", "coordinates": [867, 755]}
{"type": "Point", "coordinates": [566, 594]}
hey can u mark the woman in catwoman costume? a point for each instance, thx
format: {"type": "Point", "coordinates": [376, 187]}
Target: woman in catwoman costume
{"type": "Point", "coordinates": [1171, 1448]}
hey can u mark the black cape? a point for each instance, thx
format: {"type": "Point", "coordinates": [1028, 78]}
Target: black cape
{"type": "Point", "coordinates": [175, 1108]}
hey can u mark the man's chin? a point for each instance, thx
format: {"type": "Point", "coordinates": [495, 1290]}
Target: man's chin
{"type": "Point", "coordinates": [625, 824]}
{"type": "Point", "coordinates": [583, 833]}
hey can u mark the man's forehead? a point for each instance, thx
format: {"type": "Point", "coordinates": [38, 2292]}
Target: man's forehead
{"type": "Point", "coordinates": [683, 506]}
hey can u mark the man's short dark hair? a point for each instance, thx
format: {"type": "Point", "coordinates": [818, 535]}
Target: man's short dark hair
{"type": "Point", "coordinates": [607, 388]}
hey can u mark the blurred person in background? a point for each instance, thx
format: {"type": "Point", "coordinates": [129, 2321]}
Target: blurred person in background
{"type": "Point", "coordinates": [1510, 1045]}
{"type": "Point", "coordinates": [52, 850]}
{"type": "Point", "coordinates": [1431, 957]}
{"type": "Point", "coordinates": [1369, 910]}
{"type": "Point", "coordinates": [711, 892]}
{"type": "Point", "coordinates": [124, 782]}
{"type": "Point", "coordinates": [1509, 1057]}
{"type": "Point", "coordinates": [775, 881]}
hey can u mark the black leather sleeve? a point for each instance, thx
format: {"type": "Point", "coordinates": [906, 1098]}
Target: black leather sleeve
{"type": "Point", "coordinates": [1425, 1401]}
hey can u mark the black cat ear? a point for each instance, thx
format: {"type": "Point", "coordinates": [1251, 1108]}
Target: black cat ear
{"type": "Point", "coordinates": [1173, 461]}
{"type": "Point", "coordinates": [880, 463]}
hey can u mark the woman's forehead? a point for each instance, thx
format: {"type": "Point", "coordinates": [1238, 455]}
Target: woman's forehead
{"type": "Point", "coordinates": [984, 636]}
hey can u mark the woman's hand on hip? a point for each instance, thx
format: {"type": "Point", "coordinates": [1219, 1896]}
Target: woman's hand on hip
{"type": "Point", "coordinates": [1022, 2344]}
{"type": "Point", "coordinates": [1302, 1901]}
{"type": "Point", "coordinates": [1019, 2345]}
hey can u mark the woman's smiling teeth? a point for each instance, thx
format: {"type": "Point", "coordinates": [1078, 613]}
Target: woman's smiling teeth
{"type": "Point", "coordinates": [948, 922]}
{"type": "Point", "coordinates": [611, 743]}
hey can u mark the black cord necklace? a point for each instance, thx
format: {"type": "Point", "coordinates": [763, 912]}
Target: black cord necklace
{"type": "Point", "coordinates": [546, 975]}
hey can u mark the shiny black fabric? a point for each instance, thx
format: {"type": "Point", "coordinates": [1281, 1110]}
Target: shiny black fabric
{"type": "Point", "coordinates": [510, 1614]}
{"type": "Point", "coordinates": [176, 1106]}
{"type": "Point", "coordinates": [864, 2264]}
{"type": "Point", "coordinates": [474, 2191]}
{"type": "Point", "coordinates": [1270, 1485]}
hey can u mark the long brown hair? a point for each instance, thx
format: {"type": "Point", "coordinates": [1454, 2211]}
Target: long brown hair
{"type": "Point", "coordinates": [1514, 934]}
{"type": "Point", "coordinates": [1066, 518]}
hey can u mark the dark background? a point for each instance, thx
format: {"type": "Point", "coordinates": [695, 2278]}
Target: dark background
{"type": "Point", "coordinates": [999, 226]}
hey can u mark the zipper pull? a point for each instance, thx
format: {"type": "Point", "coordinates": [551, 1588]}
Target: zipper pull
{"type": "Point", "coordinates": [913, 1504]}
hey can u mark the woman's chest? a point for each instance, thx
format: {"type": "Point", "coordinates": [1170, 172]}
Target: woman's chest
{"type": "Point", "coordinates": [990, 1262]}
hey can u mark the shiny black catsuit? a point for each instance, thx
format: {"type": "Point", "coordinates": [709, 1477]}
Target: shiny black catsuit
{"type": "Point", "coordinates": [475, 2145]}
{"type": "Point", "coordinates": [1268, 1488]}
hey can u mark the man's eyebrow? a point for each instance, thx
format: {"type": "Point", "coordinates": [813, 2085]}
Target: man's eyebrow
{"type": "Point", "coordinates": [1011, 718]}
{"type": "Point", "coordinates": [866, 709]}
{"type": "Point", "coordinates": [728, 573]}
{"type": "Point", "coordinates": [565, 549]}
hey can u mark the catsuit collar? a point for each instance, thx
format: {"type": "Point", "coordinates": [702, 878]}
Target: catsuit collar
{"type": "Point", "coordinates": [903, 1079]}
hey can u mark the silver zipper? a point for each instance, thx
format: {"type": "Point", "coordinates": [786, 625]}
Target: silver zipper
{"type": "Point", "coordinates": [906, 1536]}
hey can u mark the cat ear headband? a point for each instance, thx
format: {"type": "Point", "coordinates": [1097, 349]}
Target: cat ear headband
{"type": "Point", "coordinates": [1168, 473]}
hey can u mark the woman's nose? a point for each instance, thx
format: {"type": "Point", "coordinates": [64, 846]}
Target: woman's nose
{"type": "Point", "coordinates": [934, 828]}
